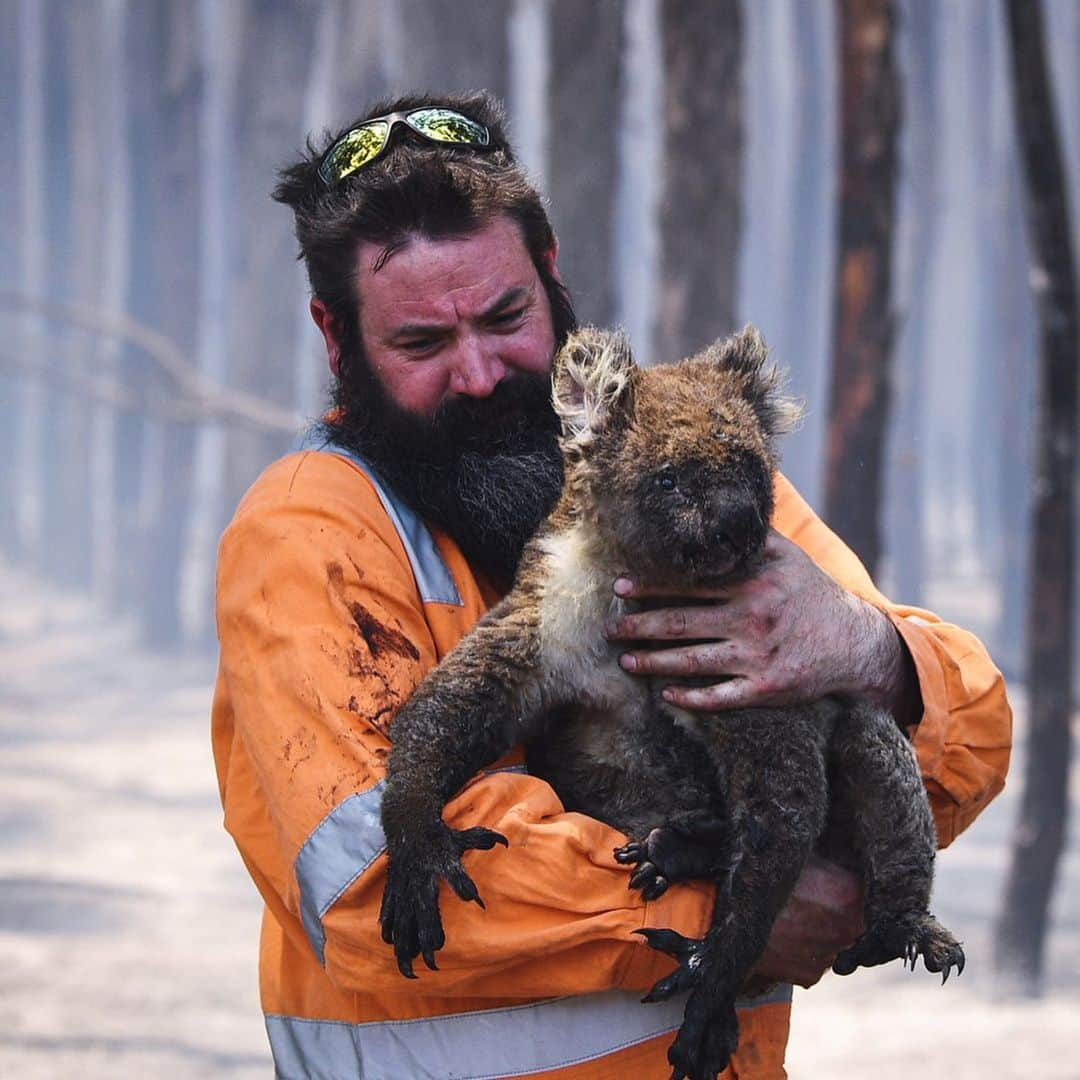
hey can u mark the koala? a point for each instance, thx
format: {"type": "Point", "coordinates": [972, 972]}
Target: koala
{"type": "Point", "coordinates": [668, 470]}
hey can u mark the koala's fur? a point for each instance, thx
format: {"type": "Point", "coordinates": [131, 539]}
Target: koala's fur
{"type": "Point", "coordinates": [669, 474]}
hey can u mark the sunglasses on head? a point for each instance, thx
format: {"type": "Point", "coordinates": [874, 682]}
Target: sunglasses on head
{"type": "Point", "coordinates": [364, 143]}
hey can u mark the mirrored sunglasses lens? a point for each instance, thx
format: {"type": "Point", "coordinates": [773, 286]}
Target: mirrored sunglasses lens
{"type": "Point", "coordinates": [355, 150]}
{"type": "Point", "coordinates": [445, 125]}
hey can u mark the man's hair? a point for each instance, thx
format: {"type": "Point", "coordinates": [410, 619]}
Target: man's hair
{"type": "Point", "coordinates": [415, 188]}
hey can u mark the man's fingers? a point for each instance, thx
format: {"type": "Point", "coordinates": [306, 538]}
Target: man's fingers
{"type": "Point", "coordinates": [712, 658]}
{"type": "Point", "coordinates": [708, 621]}
{"type": "Point", "coordinates": [738, 692]}
{"type": "Point", "coordinates": [634, 590]}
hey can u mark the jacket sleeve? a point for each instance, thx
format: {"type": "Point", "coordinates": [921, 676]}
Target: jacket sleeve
{"type": "Point", "coordinates": [322, 636]}
{"type": "Point", "coordinates": [965, 734]}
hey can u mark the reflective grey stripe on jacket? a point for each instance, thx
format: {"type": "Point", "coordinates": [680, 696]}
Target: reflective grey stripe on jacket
{"type": "Point", "coordinates": [513, 1041]}
{"type": "Point", "coordinates": [340, 848]}
{"type": "Point", "coordinates": [433, 579]}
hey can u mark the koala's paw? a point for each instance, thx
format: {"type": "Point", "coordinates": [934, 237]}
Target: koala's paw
{"type": "Point", "coordinates": [409, 915]}
{"type": "Point", "coordinates": [667, 855]}
{"type": "Point", "coordinates": [905, 939]}
{"type": "Point", "coordinates": [705, 1042]}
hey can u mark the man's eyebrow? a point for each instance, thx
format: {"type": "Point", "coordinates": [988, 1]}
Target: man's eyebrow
{"type": "Point", "coordinates": [511, 298]}
{"type": "Point", "coordinates": [415, 329]}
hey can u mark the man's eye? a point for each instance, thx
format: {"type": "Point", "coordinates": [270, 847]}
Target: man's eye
{"type": "Point", "coordinates": [507, 317]}
{"type": "Point", "coordinates": [419, 345]}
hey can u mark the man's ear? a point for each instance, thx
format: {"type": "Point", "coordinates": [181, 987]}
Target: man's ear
{"type": "Point", "coordinates": [549, 257]}
{"type": "Point", "coordinates": [593, 384]}
{"type": "Point", "coordinates": [747, 355]}
{"type": "Point", "coordinates": [330, 328]}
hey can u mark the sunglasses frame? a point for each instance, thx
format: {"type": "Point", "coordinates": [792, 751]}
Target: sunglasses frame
{"type": "Point", "coordinates": [393, 119]}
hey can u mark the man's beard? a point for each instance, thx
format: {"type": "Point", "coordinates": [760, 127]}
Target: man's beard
{"type": "Point", "coordinates": [487, 470]}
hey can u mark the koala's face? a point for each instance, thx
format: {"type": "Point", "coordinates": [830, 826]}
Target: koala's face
{"type": "Point", "coordinates": [676, 468]}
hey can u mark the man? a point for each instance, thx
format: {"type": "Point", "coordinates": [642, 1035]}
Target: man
{"type": "Point", "coordinates": [354, 565]}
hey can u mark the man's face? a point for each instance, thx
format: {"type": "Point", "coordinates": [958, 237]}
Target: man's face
{"type": "Point", "coordinates": [453, 317]}
{"type": "Point", "coordinates": [449, 397]}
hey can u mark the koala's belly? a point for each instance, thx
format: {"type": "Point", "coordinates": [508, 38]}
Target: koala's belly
{"type": "Point", "coordinates": [633, 775]}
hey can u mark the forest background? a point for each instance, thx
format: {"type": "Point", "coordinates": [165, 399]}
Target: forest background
{"type": "Point", "coordinates": [849, 176]}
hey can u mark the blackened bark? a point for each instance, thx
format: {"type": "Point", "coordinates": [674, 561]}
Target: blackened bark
{"type": "Point", "coordinates": [74, 237]}
{"type": "Point", "coordinates": [702, 173]}
{"type": "Point", "coordinates": [907, 529]}
{"type": "Point", "coordinates": [863, 318]}
{"type": "Point", "coordinates": [363, 60]}
{"type": "Point", "coordinates": [176, 214]}
{"type": "Point", "coordinates": [586, 67]}
{"type": "Point", "coordinates": [1040, 830]}
{"type": "Point", "coordinates": [10, 277]}
{"type": "Point", "coordinates": [266, 303]}
{"type": "Point", "coordinates": [451, 48]}
{"type": "Point", "coordinates": [144, 58]}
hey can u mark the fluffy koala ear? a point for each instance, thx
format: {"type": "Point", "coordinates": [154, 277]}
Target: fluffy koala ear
{"type": "Point", "coordinates": [593, 383]}
{"type": "Point", "coordinates": [747, 355]}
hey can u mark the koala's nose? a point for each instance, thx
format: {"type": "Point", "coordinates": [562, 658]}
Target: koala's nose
{"type": "Point", "coordinates": [738, 525]}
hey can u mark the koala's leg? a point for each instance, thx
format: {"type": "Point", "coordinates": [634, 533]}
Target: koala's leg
{"type": "Point", "coordinates": [777, 792]}
{"type": "Point", "coordinates": [875, 774]}
{"type": "Point", "coordinates": [469, 710]}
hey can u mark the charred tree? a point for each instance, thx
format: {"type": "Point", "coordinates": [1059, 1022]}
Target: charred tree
{"type": "Point", "coordinates": [174, 268]}
{"type": "Point", "coordinates": [586, 75]}
{"type": "Point", "coordinates": [702, 170]}
{"type": "Point", "coordinates": [73, 202]}
{"type": "Point", "coordinates": [277, 49]}
{"type": "Point", "coordinates": [863, 318]}
{"type": "Point", "coordinates": [907, 528]}
{"type": "Point", "coordinates": [364, 62]}
{"type": "Point", "coordinates": [10, 383]}
{"type": "Point", "coordinates": [144, 59]}
{"type": "Point", "coordinates": [1040, 832]}
{"type": "Point", "coordinates": [451, 48]}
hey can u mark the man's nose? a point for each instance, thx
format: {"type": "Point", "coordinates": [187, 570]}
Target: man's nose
{"type": "Point", "coordinates": [476, 371]}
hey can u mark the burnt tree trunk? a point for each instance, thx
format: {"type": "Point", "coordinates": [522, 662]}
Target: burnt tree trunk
{"type": "Point", "coordinates": [277, 48]}
{"type": "Point", "coordinates": [451, 48]}
{"type": "Point", "coordinates": [863, 319]}
{"type": "Point", "coordinates": [143, 56]}
{"type": "Point", "coordinates": [702, 172]}
{"type": "Point", "coordinates": [174, 271]}
{"type": "Point", "coordinates": [1040, 832]}
{"type": "Point", "coordinates": [74, 245]}
{"type": "Point", "coordinates": [907, 528]}
{"type": "Point", "coordinates": [10, 277]}
{"type": "Point", "coordinates": [586, 67]}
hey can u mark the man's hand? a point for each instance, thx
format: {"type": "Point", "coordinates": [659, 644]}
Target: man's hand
{"type": "Point", "coordinates": [789, 635]}
{"type": "Point", "coordinates": [823, 915]}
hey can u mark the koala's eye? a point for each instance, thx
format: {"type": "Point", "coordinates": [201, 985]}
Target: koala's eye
{"type": "Point", "coordinates": [666, 480]}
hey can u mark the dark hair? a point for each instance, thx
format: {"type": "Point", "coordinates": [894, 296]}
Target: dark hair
{"type": "Point", "coordinates": [415, 188]}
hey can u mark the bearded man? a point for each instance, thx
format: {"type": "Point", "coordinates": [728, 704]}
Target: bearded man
{"type": "Point", "coordinates": [356, 563]}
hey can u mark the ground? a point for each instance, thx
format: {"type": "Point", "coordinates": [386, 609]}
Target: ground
{"type": "Point", "coordinates": [128, 928]}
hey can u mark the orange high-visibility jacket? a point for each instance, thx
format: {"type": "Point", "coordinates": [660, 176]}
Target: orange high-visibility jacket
{"type": "Point", "coordinates": [333, 601]}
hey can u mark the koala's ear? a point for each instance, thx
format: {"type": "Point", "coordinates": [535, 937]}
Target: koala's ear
{"type": "Point", "coordinates": [593, 384]}
{"type": "Point", "coordinates": [747, 355]}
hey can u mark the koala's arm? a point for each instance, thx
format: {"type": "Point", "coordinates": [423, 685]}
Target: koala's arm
{"type": "Point", "coordinates": [483, 699]}
{"type": "Point", "coordinates": [322, 638]}
{"type": "Point", "coordinates": [964, 737]}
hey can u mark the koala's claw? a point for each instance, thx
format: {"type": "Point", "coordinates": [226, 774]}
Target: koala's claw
{"type": "Point", "coordinates": [409, 915]}
{"type": "Point", "coordinates": [688, 951]}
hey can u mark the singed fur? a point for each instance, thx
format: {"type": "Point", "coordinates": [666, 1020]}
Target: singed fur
{"type": "Point", "coordinates": [669, 475]}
